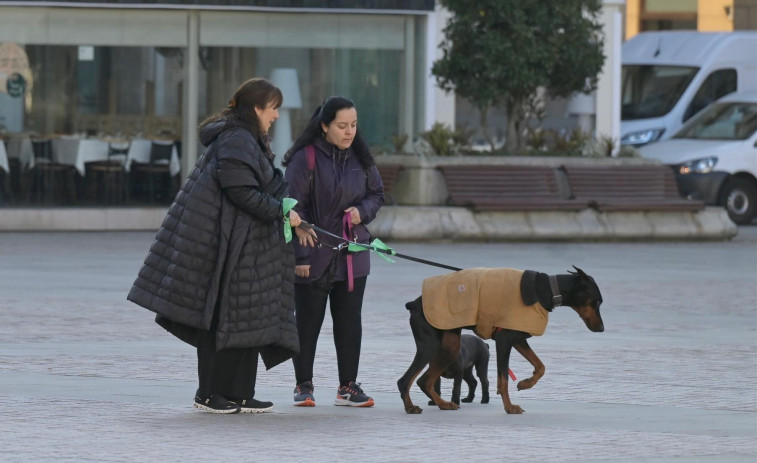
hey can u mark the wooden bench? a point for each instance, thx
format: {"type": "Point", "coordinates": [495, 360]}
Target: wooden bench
{"type": "Point", "coordinates": [506, 188]}
{"type": "Point", "coordinates": [628, 188]}
{"type": "Point", "coordinates": [389, 174]}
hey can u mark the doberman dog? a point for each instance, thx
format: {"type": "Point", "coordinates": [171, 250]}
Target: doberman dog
{"type": "Point", "coordinates": [440, 348]}
{"type": "Point", "coordinates": [474, 353]}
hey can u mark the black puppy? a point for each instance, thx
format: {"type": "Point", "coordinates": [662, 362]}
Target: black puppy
{"type": "Point", "coordinates": [439, 348]}
{"type": "Point", "coordinates": [474, 352]}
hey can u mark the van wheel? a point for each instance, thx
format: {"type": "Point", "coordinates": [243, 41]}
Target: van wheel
{"type": "Point", "coordinates": [740, 200]}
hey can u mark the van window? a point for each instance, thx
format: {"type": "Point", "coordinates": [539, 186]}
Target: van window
{"type": "Point", "coordinates": [652, 91]}
{"type": "Point", "coordinates": [719, 83]}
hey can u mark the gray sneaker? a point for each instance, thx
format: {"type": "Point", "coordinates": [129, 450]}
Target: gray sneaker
{"type": "Point", "coordinates": [352, 396]}
{"type": "Point", "coordinates": [303, 395]}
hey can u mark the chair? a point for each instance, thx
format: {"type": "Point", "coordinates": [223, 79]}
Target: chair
{"type": "Point", "coordinates": [157, 172]}
{"type": "Point", "coordinates": [107, 181]}
{"type": "Point", "coordinates": [51, 182]}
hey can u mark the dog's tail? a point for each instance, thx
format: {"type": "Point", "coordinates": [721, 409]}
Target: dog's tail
{"type": "Point", "coordinates": [415, 305]}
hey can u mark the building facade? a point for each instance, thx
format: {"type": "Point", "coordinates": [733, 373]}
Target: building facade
{"type": "Point", "coordinates": [699, 15]}
{"type": "Point", "coordinates": [131, 70]}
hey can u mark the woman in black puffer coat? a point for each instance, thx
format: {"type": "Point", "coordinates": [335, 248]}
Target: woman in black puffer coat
{"type": "Point", "coordinates": [220, 273]}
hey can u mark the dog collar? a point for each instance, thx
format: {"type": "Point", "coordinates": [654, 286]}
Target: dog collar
{"type": "Point", "coordinates": [556, 296]}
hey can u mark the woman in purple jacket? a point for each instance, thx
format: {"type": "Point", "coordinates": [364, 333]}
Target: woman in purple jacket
{"type": "Point", "coordinates": [341, 193]}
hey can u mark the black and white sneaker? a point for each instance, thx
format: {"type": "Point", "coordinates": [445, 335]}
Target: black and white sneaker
{"type": "Point", "coordinates": [216, 404]}
{"type": "Point", "coordinates": [255, 406]}
{"type": "Point", "coordinates": [352, 396]}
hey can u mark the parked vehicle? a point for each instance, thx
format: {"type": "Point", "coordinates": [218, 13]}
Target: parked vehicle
{"type": "Point", "coordinates": [714, 155]}
{"type": "Point", "coordinates": [669, 76]}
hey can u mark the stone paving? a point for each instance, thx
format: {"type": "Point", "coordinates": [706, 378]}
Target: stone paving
{"type": "Point", "coordinates": [87, 376]}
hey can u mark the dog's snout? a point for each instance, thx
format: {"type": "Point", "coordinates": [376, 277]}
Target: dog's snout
{"type": "Point", "coordinates": [597, 326]}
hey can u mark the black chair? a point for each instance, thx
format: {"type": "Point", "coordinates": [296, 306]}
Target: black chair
{"type": "Point", "coordinates": [157, 172]}
{"type": "Point", "coordinates": [51, 182]}
{"type": "Point", "coordinates": [106, 180]}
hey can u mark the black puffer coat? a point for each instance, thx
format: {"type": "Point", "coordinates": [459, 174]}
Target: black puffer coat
{"type": "Point", "coordinates": [220, 262]}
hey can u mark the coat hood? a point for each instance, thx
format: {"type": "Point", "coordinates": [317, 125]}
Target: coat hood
{"type": "Point", "coordinates": [211, 131]}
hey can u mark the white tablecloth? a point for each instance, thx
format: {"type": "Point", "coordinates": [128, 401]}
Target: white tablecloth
{"type": "Point", "coordinates": [139, 151]}
{"type": "Point", "coordinates": [79, 151]}
{"type": "Point", "coordinates": [3, 158]}
{"type": "Point", "coordinates": [21, 148]}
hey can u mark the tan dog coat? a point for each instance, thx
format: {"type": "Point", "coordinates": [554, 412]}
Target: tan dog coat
{"type": "Point", "coordinates": [486, 298]}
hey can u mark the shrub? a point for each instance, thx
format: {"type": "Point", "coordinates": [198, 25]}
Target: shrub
{"type": "Point", "coordinates": [445, 141]}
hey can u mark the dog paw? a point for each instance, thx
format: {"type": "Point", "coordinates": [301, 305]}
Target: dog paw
{"type": "Point", "coordinates": [485, 400]}
{"type": "Point", "coordinates": [431, 402]}
{"type": "Point", "coordinates": [468, 400]}
{"type": "Point", "coordinates": [448, 406]}
{"type": "Point", "coordinates": [414, 410]}
{"type": "Point", "coordinates": [527, 383]}
{"type": "Point", "coordinates": [513, 409]}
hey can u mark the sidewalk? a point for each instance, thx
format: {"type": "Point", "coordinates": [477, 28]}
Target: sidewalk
{"type": "Point", "coordinates": [87, 376]}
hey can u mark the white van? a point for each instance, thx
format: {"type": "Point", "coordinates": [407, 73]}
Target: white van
{"type": "Point", "coordinates": [669, 76]}
{"type": "Point", "coordinates": [714, 155]}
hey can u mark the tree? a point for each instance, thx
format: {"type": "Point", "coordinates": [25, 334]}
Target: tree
{"type": "Point", "coordinates": [500, 52]}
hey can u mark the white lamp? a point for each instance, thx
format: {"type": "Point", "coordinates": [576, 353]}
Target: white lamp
{"type": "Point", "coordinates": [286, 80]}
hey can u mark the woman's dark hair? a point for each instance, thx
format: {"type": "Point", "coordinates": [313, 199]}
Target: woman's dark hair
{"type": "Point", "coordinates": [325, 114]}
{"type": "Point", "coordinates": [255, 93]}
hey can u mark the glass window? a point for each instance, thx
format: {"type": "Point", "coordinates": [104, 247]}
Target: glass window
{"type": "Point", "coordinates": [103, 91]}
{"type": "Point", "coordinates": [371, 78]}
{"type": "Point", "coordinates": [719, 83]}
{"type": "Point", "coordinates": [78, 126]}
{"type": "Point", "coordinates": [723, 121]}
{"type": "Point", "coordinates": [678, 24]}
{"type": "Point", "coordinates": [670, 6]}
{"type": "Point", "coordinates": [652, 91]}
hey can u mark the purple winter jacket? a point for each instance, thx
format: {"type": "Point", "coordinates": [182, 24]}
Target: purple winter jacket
{"type": "Point", "coordinates": [340, 181]}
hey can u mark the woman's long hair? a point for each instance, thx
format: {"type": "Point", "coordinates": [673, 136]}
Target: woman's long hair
{"type": "Point", "coordinates": [325, 114]}
{"type": "Point", "coordinates": [255, 93]}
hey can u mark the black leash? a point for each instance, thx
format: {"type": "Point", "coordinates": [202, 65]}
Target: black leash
{"type": "Point", "coordinates": [309, 226]}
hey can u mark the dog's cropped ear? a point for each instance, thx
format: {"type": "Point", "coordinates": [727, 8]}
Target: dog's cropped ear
{"type": "Point", "coordinates": [577, 272]}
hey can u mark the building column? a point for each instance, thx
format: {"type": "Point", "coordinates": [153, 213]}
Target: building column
{"type": "Point", "coordinates": [407, 103]}
{"type": "Point", "coordinates": [440, 106]}
{"type": "Point", "coordinates": [608, 85]}
{"type": "Point", "coordinates": [191, 91]}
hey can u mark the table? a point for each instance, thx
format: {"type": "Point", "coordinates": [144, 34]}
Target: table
{"type": "Point", "coordinates": [3, 157]}
{"type": "Point", "coordinates": [79, 151]}
{"type": "Point", "coordinates": [139, 151]}
{"type": "Point", "coordinates": [21, 148]}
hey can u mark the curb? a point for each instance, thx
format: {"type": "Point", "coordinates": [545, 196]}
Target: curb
{"type": "Point", "coordinates": [413, 223]}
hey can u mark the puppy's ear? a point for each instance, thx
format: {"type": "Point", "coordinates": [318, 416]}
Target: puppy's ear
{"type": "Point", "coordinates": [577, 272]}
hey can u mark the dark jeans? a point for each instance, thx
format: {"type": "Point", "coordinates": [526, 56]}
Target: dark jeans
{"type": "Point", "coordinates": [346, 318]}
{"type": "Point", "coordinates": [228, 372]}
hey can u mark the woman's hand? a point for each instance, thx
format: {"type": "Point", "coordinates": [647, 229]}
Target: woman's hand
{"type": "Point", "coordinates": [294, 219]}
{"type": "Point", "coordinates": [302, 271]}
{"type": "Point", "coordinates": [305, 237]}
{"type": "Point", "coordinates": [354, 214]}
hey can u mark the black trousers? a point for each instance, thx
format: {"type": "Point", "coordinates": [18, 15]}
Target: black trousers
{"type": "Point", "coordinates": [346, 308]}
{"type": "Point", "coordinates": [228, 372]}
